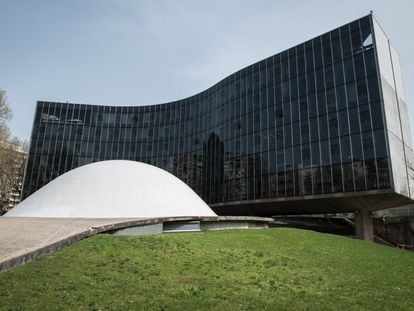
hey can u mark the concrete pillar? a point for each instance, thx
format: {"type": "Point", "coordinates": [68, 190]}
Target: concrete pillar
{"type": "Point", "coordinates": [364, 227]}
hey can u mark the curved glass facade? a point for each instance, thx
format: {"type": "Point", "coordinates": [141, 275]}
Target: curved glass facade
{"type": "Point", "coordinates": [307, 121]}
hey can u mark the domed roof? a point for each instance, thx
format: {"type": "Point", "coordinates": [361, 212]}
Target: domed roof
{"type": "Point", "coordinates": [113, 189]}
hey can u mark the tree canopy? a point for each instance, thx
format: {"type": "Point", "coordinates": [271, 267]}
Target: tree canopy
{"type": "Point", "coordinates": [13, 153]}
{"type": "Point", "coordinates": [5, 115]}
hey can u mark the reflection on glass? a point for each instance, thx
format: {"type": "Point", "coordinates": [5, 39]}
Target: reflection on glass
{"type": "Point", "coordinates": [307, 121]}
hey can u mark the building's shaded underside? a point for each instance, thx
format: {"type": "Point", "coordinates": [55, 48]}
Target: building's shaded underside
{"type": "Point", "coordinates": [345, 203]}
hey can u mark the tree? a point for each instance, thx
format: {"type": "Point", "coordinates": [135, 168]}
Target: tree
{"type": "Point", "coordinates": [5, 111]}
{"type": "Point", "coordinates": [13, 154]}
{"type": "Point", "coordinates": [12, 165]}
{"type": "Point", "coordinates": [5, 115]}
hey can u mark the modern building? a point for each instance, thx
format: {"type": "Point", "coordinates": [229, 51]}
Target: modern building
{"type": "Point", "coordinates": [321, 127]}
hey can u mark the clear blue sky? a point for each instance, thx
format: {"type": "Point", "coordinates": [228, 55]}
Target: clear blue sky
{"type": "Point", "coordinates": [146, 52]}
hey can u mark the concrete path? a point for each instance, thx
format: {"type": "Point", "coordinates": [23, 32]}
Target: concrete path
{"type": "Point", "coordinates": [23, 239]}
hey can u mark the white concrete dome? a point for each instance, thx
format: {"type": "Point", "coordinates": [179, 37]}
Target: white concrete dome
{"type": "Point", "coordinates": [113, 189]}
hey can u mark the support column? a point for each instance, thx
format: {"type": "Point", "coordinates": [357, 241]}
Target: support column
{"type": "Point", "coordinates": [364, 227]}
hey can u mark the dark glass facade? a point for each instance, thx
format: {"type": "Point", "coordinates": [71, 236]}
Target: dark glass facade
{"type": "Point", "coordinates": [309, 121]}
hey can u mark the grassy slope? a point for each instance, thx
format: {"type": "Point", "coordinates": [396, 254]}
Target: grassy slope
{"type": "Point", "coordinates": [231, 270]}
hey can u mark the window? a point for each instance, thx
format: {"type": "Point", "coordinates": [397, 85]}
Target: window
{"type": "Point", "coordinates": [314, 129]}
{"type": "Point", "coordinates": [315, 153]}
{"type": "Point", "coordinates": [341, 97]}
{"type": "Point", "coordinates": [356, 147]}
{"type": "Point", "coordinates": [349, 70]}
{"type": "Point", "coordinates": [333, 125]}
{"type": "Point", "coordinates": [339, 73]}
{"type": "Point", "coordinates": [346, 149]}
{"type": "Point", "coordinates": [365, 118]}
{"type": "Point", "coordinates": [380, 146]}
{"type": "Point", "coordinates": [330, 99]}
{"type": "Point", "coordinates": [370, 62]}
{"type": "Point", "coordinates": [327, 54]}
{"type": "Point", "coordinates": [354, 120]}
{"type": "Point", "coordinates": [343, 122]}
{"type": "Point", "coordinates": [323, 127]}
{"type": "Point", "coordinates": [351, 94]}
{"type": "Point", "coordinates": [356, 41]}
{"type": "Point", "coordinates": [326, 159]}
{"type": "Point", "coordinates": [304, 131]}
{"type": "Point", "coordinates": [346, 44]}
{"type": "Point", "coordinates": [335, 152]}
{"type": "Point", "coordinates": [362, 92]}
{"type": "Point", "coordinates": [336, 47]}
{"type": "Point", "coordinates": [368, 146]}
{"type": "Point", "coordinates": [359, 66]}
{"type": "Point", "coordinates": [373, 88]}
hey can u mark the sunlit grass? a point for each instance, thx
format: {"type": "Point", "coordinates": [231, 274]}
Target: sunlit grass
{"type": "Point", "coordinates": [221, 270]}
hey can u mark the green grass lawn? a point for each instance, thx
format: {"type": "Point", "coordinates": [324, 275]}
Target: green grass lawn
{"type": "Point", "coordinates": [277, 268]}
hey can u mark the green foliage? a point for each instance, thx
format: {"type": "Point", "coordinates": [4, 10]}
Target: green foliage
{"type": "Point", "coordinates": [278, 269]}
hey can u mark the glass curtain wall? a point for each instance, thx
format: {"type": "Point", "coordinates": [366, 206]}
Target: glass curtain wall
{"type": "Point", "coordinates": [307, 121]}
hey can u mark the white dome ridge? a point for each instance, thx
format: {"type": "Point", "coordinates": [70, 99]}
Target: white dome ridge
{"type": "Point", "coordinates": [114, 189]}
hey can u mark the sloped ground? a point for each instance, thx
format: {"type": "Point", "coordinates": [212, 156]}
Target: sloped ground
{"type": "Point", "coordinates": [278, 268]}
